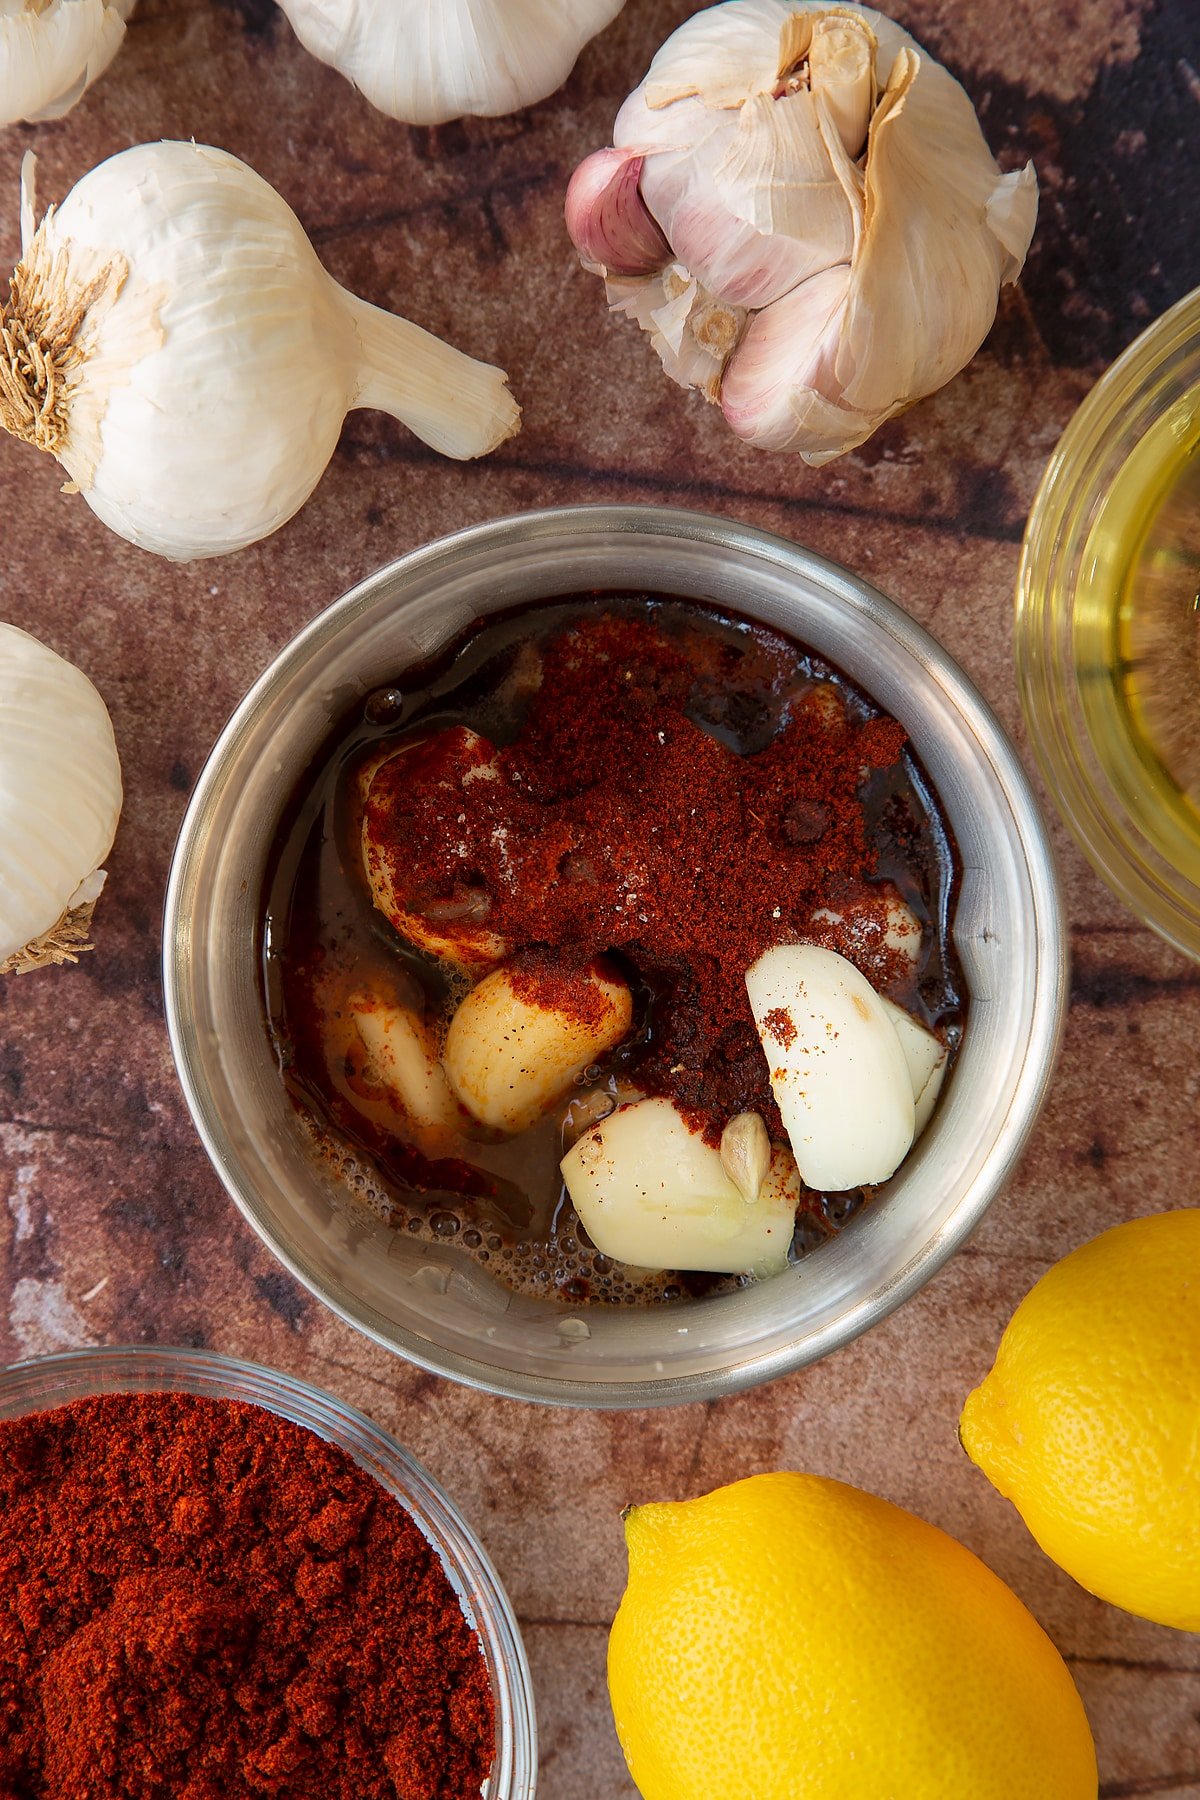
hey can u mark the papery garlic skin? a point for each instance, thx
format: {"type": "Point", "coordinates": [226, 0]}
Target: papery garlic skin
{"type": "Point", "coordinates": [745, 1151]}
{"type": "Point", "coordinates": [51, 51]}
{"type": "Point", "coordinates": [173, 340]}
{"type": "Point", "coordinates": [60, 799]}
{"type": "Point", "coordinates": [652, 1193]}
{"type": "Point", "coordinates": [427, 61]}
{"type": "Point", "coordinates": [817, 174]}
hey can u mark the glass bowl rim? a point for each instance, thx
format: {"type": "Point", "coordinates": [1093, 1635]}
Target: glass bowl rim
{"type": "Point", "coordinates": [1124, 397]}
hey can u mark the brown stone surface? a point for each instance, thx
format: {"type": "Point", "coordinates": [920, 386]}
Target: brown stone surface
{"type": "Point", "coordinates": [112, 1226]}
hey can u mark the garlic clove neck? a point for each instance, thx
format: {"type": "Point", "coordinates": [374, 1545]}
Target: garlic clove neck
{"type": "Point", "coordinates": [456, 405]}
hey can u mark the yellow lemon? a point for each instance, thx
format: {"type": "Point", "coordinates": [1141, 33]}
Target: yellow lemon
{"type": "Point", "coordinates": [1090, 1420]}
{"type": "Point", "coordinates": [791, 1636]}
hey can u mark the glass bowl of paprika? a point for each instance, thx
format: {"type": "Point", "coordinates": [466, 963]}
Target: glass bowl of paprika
{"type": "Point", "coordinates": [221, 1565]}
{"type": "Point", "coordinates": [420, 1294]}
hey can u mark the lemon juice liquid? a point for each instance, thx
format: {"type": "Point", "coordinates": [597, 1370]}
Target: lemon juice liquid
{"type": "Point", "coordinates": [1137, 635]}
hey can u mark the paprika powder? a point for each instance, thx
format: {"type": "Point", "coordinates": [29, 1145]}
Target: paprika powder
{"type": "Point", "coordinates": [200, 1600]}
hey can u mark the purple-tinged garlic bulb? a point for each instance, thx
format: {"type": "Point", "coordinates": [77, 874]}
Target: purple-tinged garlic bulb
{"type": "Point", "coordinates": [800, 209]}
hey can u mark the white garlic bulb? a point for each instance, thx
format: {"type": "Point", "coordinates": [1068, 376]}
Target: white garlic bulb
{"type": "Point", "coordinates": [426, 61]}
{"type": "Point", "coordinates": [836, 231]}
{"type": "Point", "coordinates": [60, 799]}
{"type": "Point", "coordinates": [173, 340]}
{"type": "Point", "coordinates": [51, 51]}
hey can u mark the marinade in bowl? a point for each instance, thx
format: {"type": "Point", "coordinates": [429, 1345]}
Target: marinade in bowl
{"type": "Point", "coordinates": [420, 1293]}
{"type": "Point", "coordinates": [604, 794]}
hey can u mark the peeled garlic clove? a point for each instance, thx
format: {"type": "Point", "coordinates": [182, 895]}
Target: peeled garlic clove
{"type": "Point", "coordinates": [609, 222]}
{"type": "Point", "coordinates": [746, 1154]}
{"type": "Point", "coordinates": [455, 932]}
{"type": "Point", "coordinates": [52, 50]}
{"type": "Point", "coordinates": [427, 61]}
{"type": "Point", "coordinates": [838, 1072]}
{"type": "Point", "coordinates": [60, 799]}
{"type": "Point", "coordinates": [192, 363]}
{"type": "Point", "coordinates": [652, 1193]}
{"type": "Point", "coordinates": [401, 1058]}
{"type": "Point", "coordinates": [926, 1057]}
{"type": "Point", "coordinates": [879, 926]}
{"type": "Point", "coordinates": [522, 1036]}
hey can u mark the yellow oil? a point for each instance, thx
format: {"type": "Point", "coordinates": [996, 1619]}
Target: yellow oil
{"type": "Point", "coordinates": [1137, 636]}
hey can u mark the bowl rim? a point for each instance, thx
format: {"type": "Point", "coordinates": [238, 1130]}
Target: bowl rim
{"type": "Point", "coordinates": [995, 747]}
{"type": "Point", "coordinates": [158, 1368]}
{"type": "Point", "coordinates": [1108, 834]}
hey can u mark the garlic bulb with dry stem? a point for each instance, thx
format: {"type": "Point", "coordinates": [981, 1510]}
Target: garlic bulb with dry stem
{"type": "Point", "coordinates": [426, 61]}
{"type": "Point", "coordinates": [173, 340]}
{"type": "Point", "coordinates": [800, 209]}
{"type": "Point", "coordinates": [52, 50]}
{"type": "Point", "coordinates": [60, 799]}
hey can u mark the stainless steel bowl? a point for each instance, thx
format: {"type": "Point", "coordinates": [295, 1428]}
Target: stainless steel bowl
{"type": "Point", "coordinates": [427, 1301]}
{"type": "Point", "coordinates": [51, 1381]}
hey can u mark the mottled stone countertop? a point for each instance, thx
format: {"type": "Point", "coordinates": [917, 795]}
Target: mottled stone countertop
{"type": "Point", "coordinates": [113, 1227]}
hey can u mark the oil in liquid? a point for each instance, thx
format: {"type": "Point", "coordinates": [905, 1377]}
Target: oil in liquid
{"type": "Point", "coordinates": [1137, 637]}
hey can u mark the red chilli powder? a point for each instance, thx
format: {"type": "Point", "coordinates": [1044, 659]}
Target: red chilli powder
{"type": "Point", "coordinates": [201, 1601]}
{"type": "Point", "coordinates": [619, 825]}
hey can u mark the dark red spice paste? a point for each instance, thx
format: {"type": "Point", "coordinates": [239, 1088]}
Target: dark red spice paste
{"type": "Point", "coordinates": [202, 1601]}
{"type": "Point", "coordinates": [618, 823]}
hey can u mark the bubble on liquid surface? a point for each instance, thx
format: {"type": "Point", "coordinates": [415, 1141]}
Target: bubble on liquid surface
{"type": "Point", "coordinates": [568, 1269]}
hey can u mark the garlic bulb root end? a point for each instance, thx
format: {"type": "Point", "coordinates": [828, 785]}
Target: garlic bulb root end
{"type": "Point", "coordinates": [43, 327]}
{"type": "Point", "coordinates": [65, 942]}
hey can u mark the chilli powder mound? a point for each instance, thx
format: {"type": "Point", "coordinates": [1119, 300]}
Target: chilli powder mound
{"type": "Point", "coordinates": [201, 1601]}
{"type": "Point", "coordinates": [615, 822]}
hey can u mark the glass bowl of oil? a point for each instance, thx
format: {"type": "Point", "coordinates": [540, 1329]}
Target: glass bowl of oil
{"type": "Point", "coordinates": [1108, 626]}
